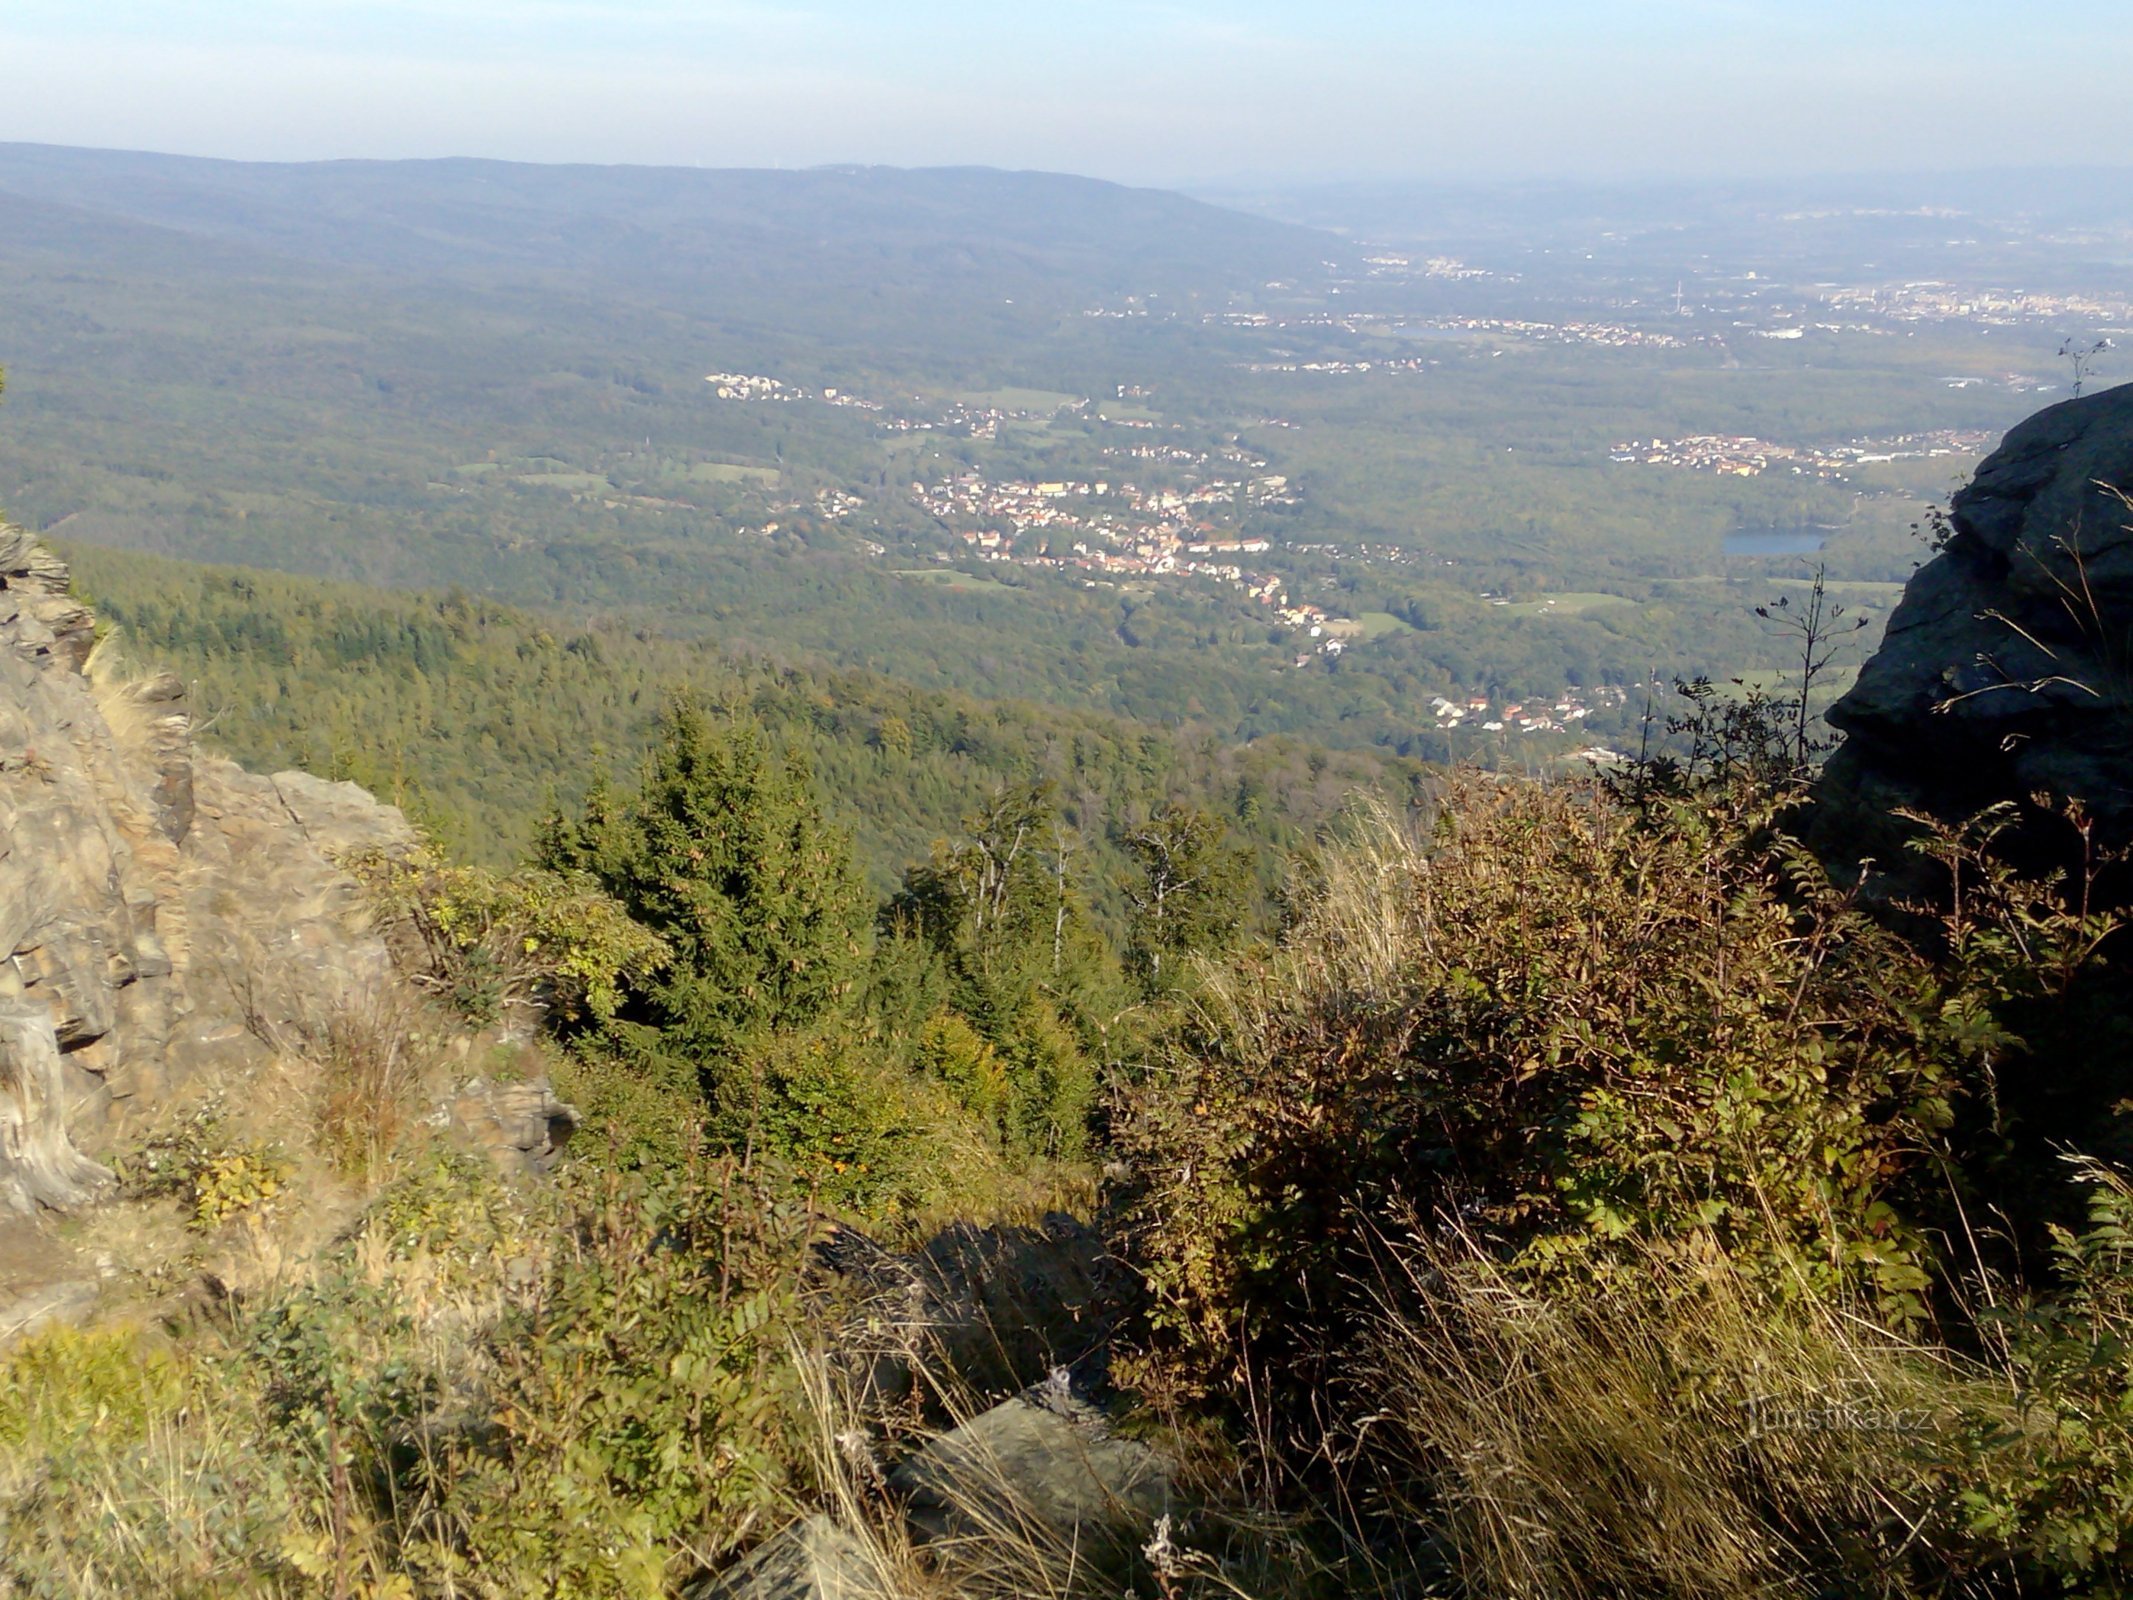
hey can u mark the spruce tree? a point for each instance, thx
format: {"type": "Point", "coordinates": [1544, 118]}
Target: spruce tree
{"type": "Point", "coordinates": [724, 852]}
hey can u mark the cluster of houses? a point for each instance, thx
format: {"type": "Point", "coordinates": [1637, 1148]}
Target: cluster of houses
{"type": "Point", "coordinates": [1740, 455]}
{"type": "Point", "coordinates": [1109, 530]}
{"type": "Point", "coordinates": [1339, 368]}
{"type": "Point", "coordinates": [1610, 335]}
{"type": "Point", "coordinates": [1929, 300]}
{"type": "Point", "coordinates": [2015, 382]}
{"type": "Point", "coordinates": [1330, 635]}
{"type": "Point", "coordinates": [1119, 515]}
{"type": "Point", "coordinates": [979, 421]}
{"type": "Point", "coordinates": [1516, 716]}
{"type": "Point", "coordinates": [754, 386]}
{"type": "Point", "coordinates": [1730, 455]}
{"type": "Point", "coordinates": [750, 386]}
{"type": "Point", "coordinates": [1387, 265]}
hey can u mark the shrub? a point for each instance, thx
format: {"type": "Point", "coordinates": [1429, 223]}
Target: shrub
{"type": "Point", "coordinates": [213, 1175]}
{"type": "Point", "coordinates": [642, 1110]}
{"type": "Point", "coordinates": [850, 1124]}
{"type": "Point", "coordinates": [482, 1391]}
{"type": "Point", "coordinates": [1051, 1086]}
{"type": "Point", "coordinates": [1576, 1022]}
{"type": "Point", "coordinates": [1031, 1097]}
{"type": "Point", "coordinates": [128, 1468]}
{"type": "Point", "coordinates": [499, 946]}
{"type": "Point", "coordinates": [643, 1417]}
{"type": "Point", "coordinates": [953, 1054]}
{"type": "Point", "coordinates": [2052, 1483]}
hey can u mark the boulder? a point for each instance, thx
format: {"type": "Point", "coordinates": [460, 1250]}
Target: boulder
{"type": "Point", "coordinates": [814, 1559]}
{"type": "Point", "coordinates": [2007, 669]}
{"type": "Point", "coordinates": [1045, 1466]}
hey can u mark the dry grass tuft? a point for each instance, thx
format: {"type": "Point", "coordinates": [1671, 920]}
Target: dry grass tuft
{"type": "Point", "coordinates": [1671, 1432]}
{"type": "Point", "coordinates": [375, 1054]}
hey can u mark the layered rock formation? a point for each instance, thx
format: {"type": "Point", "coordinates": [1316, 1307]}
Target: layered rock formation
{"type": "Point", "coordinates": [2007, 669]}
{"type": "Point", "coordinates": [162, 912]}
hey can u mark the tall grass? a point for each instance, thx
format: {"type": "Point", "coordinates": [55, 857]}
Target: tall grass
{"type": "Point", "coordinates": [1671, 1431]}
{"type": "Point", "coordinates": [374, 1054]}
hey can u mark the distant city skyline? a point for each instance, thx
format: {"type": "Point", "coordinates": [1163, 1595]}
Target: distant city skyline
{"type": "Point", "coordinates": [1186, 92]}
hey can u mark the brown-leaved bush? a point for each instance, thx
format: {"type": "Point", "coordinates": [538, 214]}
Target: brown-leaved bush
{"type": "Point", "coordinates": [1585, 1027]}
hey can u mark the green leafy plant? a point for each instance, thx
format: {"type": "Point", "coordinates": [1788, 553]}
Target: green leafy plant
{"type": "Point", "coordinates": [214, 1176]}
{"type": "Point", "coordinates": [496, 945]}
{"type": "Point", "coordinates": [641, 1417]}
{"type": "Point", "coordinates": [2051, 1485]}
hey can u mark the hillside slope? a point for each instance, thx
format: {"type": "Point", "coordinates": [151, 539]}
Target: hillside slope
{"type": "Point", "coordinates": [703, 237]}
{"type": "Point", "coordinates": [484, 716]}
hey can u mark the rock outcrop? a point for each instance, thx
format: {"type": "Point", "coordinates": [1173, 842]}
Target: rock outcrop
{"type": "Point", "coordinates": [162, 911]}
{"type": "Point", "coordinates": [2007, 669]}
{"type": "Point", "coordinates": [814, 1559]}
{"type": "Point", "coordinates": [1044, 1464]}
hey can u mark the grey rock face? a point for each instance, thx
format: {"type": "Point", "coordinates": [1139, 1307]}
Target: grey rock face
{"type": "Point", "coordinates": [522, 1126]}
{"type": "Point", "coordinates": [39, 1165]}
{"type": "Point", "coordinates": [2007, 669]}
{"type": "Point", "coordinates": [814, 1559]}
{"type": "Point", "coordinates": [1045, 1463]}
{"type": "Point", "coordinates": [160, 911]}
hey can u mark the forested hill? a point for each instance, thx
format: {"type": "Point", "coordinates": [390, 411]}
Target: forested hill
{"type": "Point", "coordinates": [688, 235]}
{"type": "Point", "coordinates": [479, 717]}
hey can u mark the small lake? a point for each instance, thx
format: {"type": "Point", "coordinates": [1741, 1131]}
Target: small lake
{"type": "Point", "coordinates": [1775, 541]}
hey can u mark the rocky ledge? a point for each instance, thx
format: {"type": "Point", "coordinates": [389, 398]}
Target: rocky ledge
{"type": "Point", "coordinates": [162, 912]}
{"type": "Point", "coordinates": [2007, 670]}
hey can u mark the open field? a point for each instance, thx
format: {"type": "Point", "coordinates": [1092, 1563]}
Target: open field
{"type": "Point", "coordinates": [949, 578]}
{"type": "Point", "coordinates": [1565, 605]}
{"type": "Point", "coordinates": [571, 482]}
{"type": "Point", "coordinates": [1016, 399]}
{"type": "Point", "coordinates": [728, 472]}
{"type": "Point", "coordinates": [1847, 590]}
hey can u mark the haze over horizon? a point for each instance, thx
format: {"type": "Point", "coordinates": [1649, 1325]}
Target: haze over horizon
{"type": "Point", "coordinates": [1185, 93]}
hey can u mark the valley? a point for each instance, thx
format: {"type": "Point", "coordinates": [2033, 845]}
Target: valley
{"type": "Point", "coordinates": [920, 882]}
{"type": "Point", "coordinates": [1151, 445]}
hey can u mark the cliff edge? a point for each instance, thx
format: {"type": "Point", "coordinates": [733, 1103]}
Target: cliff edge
{"type": "Point", "coordinates": [163, 913]}
{"type": "Point", "coordinates": [2007, 669]}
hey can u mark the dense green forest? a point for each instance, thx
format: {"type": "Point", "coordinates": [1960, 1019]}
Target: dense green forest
{"type": "Point", "coordinates": [480, 719]}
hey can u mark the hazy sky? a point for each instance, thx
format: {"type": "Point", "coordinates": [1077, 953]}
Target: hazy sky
{"type": "Point", "coordinates": [1151, 93]}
